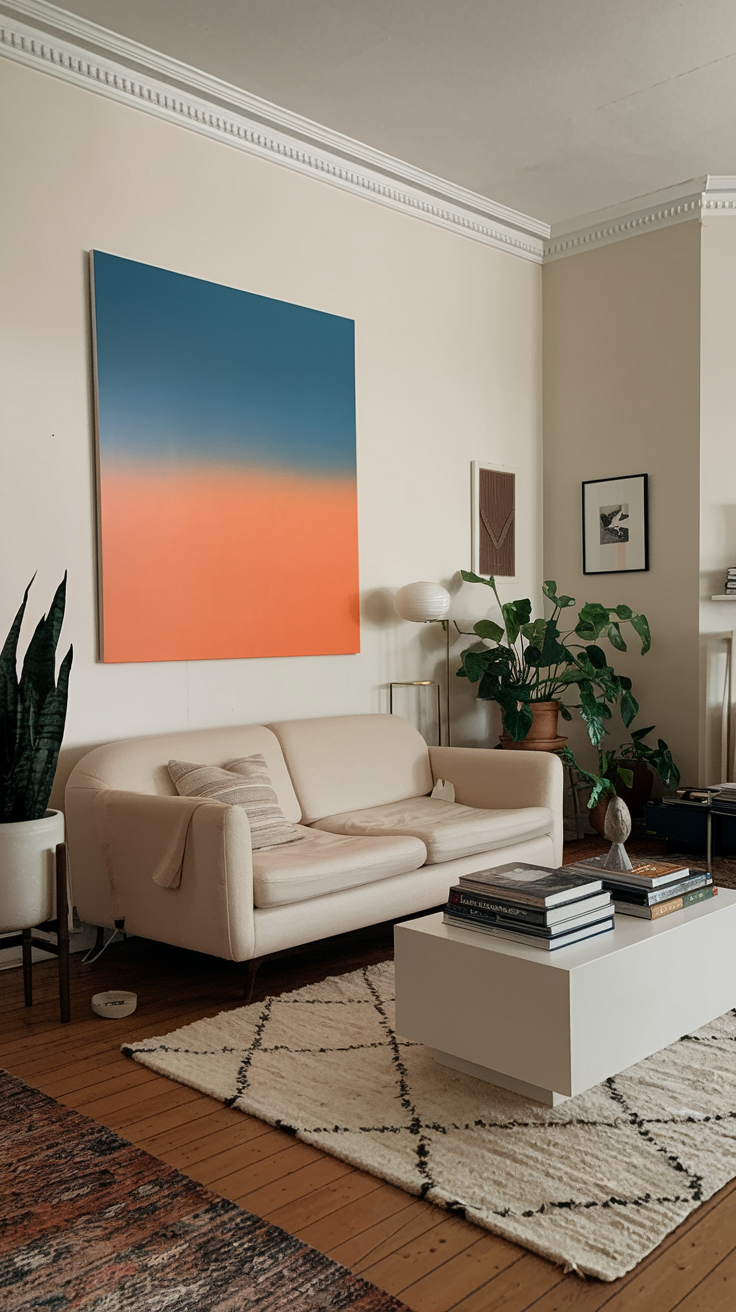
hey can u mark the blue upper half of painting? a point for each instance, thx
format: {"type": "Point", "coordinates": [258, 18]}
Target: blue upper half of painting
{"type": "Point", "coordinates": [189, 371]}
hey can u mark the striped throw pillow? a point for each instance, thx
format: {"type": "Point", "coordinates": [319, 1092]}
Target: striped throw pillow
{"type": "Point", "coordinates": [243, 783]}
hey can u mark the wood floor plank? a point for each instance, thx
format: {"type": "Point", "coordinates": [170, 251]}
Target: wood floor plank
{"type": "Point", "coordinates": [217, 1166]}
{"type": "Point", "coordinates": [382, 1205]}
{"type": "Point", "coordinates": [417, 1258]}
{"type": "Point", "coordinates": [290, 1188]}
{"type": "Point", "coordinates": [122, 1110]}
{"type": "Point", "coordinates": [135, 1090]}
{"type": "Point", "coordinates": [95, 1090]}
{"type": "Point", "coordinates": [517, 1288]}
{"type": "Point", "coordinates": [716, 1292]}
{"type": "Point", "coordinates": [461, 1275]}
{"type": "Point", "coordinates": [209, 1134]}
{"type": "Point", "coordinates": [167, 1118]}
{"type": "Point", "coordinates": [316, 1203]}
{"type": "Point", "coordinates": [68, 1077]}
{"type": "Point", "coordinates": [415, 1226]}
{"type": "Point", "coordinates": [395, 1228]}
{"type": "Point", "coordinates": [262, 1171]}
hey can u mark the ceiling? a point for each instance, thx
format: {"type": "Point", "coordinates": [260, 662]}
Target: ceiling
{"type": "Point", "coordinates": [552, 107]}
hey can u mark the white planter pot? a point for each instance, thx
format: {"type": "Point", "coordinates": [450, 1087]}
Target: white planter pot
{"type": "Point", "coordinates": [28, 871]}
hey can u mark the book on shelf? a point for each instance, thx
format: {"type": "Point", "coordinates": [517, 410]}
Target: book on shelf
{"type": "Point", "coordinates": [650, 896]}
{"type": "Point", "coordinates": [538, 886]}
{"type": "Point", "coordinates": [648, 874]}
{"type": "Point", "coordinates": [583, 915]}
{"type": "Point", "coordinates": [529, 940]}
{"type": "Point", "coordinates": [697, 802]}
{"type": "Point", "coordinates": [660, 909]}
{"type": "Point", "coordinates": [522, 911]}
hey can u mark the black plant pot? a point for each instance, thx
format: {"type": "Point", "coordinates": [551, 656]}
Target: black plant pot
{"type": "Point", "coordinates": [637, 796]}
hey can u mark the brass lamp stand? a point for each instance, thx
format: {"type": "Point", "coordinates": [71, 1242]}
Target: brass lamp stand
{"type": "Point", "coordinates": [428, 603]}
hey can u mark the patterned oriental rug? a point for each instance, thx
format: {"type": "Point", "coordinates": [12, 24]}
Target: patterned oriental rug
{"type": "Point", "coordinates": [594, 1184]}
{"type": "Point", "coordinates": [89, 1222]}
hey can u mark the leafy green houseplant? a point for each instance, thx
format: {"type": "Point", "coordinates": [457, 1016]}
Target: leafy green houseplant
{"type": "Point", "coordinates": [659, 759]}
{"type": "Point", "coordinates": [618, 768]}
{"type": "Point", "coordinates": [537, 661]}
{"type": "Point", "coordinates": [32, 714]}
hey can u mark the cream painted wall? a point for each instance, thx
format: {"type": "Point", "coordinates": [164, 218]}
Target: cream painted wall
{"type": "Point", "coordinates": [448, 337]}
{"type": "Point", "coordinates": [621, 396]}
{"type": "Point", "coordinates": [717, 481]}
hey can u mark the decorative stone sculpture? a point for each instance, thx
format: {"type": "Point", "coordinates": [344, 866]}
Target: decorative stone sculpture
{"type": "Point", "coordinates": [617, 828]}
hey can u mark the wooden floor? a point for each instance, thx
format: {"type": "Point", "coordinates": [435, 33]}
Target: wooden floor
{"type": "Point", "coordinates": [433, 1261]}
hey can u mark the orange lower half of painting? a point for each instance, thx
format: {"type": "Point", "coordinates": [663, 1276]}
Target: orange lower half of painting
{"type": "Point", "coordinates": [208, 563]}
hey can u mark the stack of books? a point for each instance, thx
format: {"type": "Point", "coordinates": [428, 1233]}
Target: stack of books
{"type": "Point", "coordinates": [725, 798]}
{"type": "Point", "coordinates": [534, 905]}
{"type": "Point", "coordinates": [651, 889]}
{"type": "Point", "coordinates": [731, 582]}
{"type": "Point", "coordinates": [701, 796]}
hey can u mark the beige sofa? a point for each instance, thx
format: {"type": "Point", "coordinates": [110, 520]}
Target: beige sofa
{"type": "Point", "coordinates": [375, 846]}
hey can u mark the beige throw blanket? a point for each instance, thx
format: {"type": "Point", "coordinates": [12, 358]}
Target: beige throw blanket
{"type": "Point", "coordinates": [143, 837]}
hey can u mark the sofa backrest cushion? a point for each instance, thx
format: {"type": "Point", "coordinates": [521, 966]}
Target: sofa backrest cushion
{"type": "Point", "coordinates": [346, 762]}
{"type": "Point", "coordinates": [141, 764]}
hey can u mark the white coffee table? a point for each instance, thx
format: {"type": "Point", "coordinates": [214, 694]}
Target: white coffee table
{"type": "Point", "coordinates": [552, 1024]}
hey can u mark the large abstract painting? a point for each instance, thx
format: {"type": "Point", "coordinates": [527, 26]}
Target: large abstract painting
{"type": "Point", "coordinates": [227, 488]}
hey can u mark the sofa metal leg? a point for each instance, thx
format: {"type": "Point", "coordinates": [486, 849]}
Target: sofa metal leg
{"type": "Point", "coordinates": [250, 977]}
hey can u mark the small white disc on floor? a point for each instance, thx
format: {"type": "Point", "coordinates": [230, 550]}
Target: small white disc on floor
{"type": "Point", "coordinates": [114, 1003]}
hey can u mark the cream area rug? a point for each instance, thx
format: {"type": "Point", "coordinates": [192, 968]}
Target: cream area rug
{"type": "Point", "coordinates": [594, 1184]}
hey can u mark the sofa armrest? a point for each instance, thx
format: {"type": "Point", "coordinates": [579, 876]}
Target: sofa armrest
{"type": "Point", "coordinates": [486, 777]}
{"type": "Point", "coordinates": [179, 869]}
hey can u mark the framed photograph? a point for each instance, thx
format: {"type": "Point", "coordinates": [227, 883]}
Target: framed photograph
{"type": "Point", "coordinates": [493, 520]}
{"type": "Point", "coordinates": [615, 525]}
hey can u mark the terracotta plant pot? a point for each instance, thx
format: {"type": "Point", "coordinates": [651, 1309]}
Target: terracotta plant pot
{"type": "Point", "coordinates": [597, 816]}
{"type": "Point", "coordinates": [543, 736]}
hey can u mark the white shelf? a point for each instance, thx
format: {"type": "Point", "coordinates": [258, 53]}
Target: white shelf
{"type": "Point", "coordinates": [724, 596]}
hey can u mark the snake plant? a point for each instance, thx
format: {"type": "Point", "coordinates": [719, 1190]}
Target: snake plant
{"type": "Point", "coordinates": [32, 713]}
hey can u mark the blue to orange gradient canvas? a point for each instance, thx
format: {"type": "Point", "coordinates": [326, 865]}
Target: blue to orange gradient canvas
{"type": "Point", "coordinates": [228, 512]}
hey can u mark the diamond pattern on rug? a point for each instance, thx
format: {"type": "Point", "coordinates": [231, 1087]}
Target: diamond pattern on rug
{"type": "Point", "coordinates": [594, 1184]}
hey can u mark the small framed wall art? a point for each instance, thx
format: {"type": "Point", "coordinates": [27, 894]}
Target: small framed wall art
{"type": "Point", "coordinates": [616, 525]}
{"type": "Point", "coordinates": [493, 520]}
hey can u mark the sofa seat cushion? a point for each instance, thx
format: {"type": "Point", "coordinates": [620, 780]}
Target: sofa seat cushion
{"type": "Point", "coordinates": [447, 829]}
{"type": "Point", "coordinates": [327, 863]}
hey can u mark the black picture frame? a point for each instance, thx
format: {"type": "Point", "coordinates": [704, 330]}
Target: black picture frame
{"type": "Point", "coordinates": [616, 524]}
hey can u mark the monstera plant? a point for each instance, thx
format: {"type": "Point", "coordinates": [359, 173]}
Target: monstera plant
{"type": "Point", "coordinates": [32, 714]}
{"type": "Point", "coordinates": [529, 662]}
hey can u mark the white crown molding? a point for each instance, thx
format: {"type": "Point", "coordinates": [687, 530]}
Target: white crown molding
{"type": "Point", "coordinates": [87, 55]}
{"type": "Point", "coordinates": [694, 200]}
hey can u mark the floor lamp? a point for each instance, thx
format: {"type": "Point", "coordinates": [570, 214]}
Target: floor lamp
{"type": "Point", "coordinates": [428, 603]}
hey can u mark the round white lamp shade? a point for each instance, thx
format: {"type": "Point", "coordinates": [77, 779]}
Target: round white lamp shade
{"type": "Point", "coordinates": [422, 602]}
